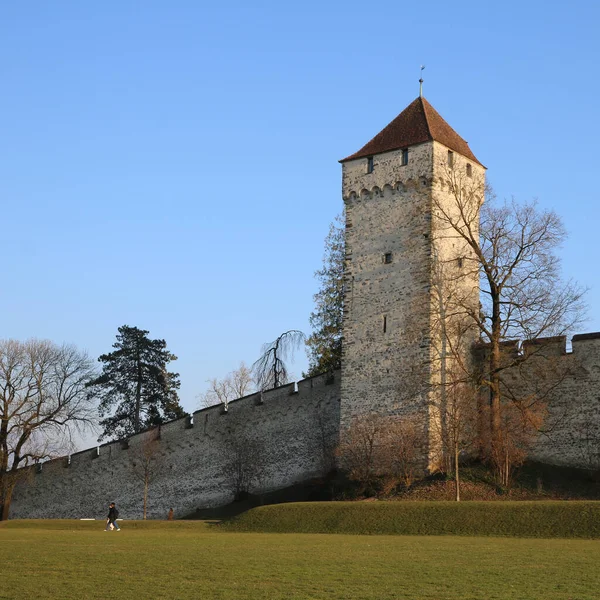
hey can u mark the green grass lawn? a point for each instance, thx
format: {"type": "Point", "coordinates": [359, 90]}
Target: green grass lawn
{"type": "Point", "coordinates": [72, 559]}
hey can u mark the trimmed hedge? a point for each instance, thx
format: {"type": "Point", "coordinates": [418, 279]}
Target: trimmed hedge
{"type": "Point", "coordinates": [506, 519]}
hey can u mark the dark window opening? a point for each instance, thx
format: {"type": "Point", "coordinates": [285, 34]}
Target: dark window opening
{"type": "Point", "coordinates": [404, 157]}
{"type": "Point", "coordinates": [450, 158]}
{"type": "Point", "coordinates": [387, 258]}
{"type": "Point", "coordinates": [370, 164]}
{"type": "Point", "coordinates": [460, 262]}
{"type": "Point", "coordinates": [469, 170]}
{"type": "Point", "coordinates": [384, 323]}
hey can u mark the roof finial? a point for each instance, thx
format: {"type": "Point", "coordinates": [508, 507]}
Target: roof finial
{"type": "Point", "coordinates": [421, 82]}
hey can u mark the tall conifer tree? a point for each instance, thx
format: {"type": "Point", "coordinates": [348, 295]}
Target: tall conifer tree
{"type": "Point", "coordinates": [135, 389]}
{"type": "Point", "coordinates": [325, 342]}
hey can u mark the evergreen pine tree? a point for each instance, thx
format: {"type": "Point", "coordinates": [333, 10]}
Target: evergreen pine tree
{"type": "Point", "coordinates": [135, 389]}
{"type": "Point", "coordinates": [325, 342]}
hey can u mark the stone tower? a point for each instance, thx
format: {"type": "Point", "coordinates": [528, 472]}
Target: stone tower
{"type": "Point", "coordinates": [392, 188]}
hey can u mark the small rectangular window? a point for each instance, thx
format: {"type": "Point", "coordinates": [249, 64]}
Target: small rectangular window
{"type": "Point", "coordinates": [384, 323]}
{"type": "Point", "coordinates": [370, 164]}
{"type": "Point", "coordinates": [387, 258]}
{"type": "Point", "coordinates": [450, 158]}
{"type": "Point", "coordinates": [460, 262]}
{"type": "Point", "coordinates": [404, 157]}
{"type": "Point", "coordinates": [469, 170]}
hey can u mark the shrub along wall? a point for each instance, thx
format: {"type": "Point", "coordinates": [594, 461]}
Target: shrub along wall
{"type": "Point", "coordinates": [506, 519]}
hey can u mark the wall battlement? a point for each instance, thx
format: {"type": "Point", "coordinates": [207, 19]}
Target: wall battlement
{"type": "Point", "coordinates": [205, 416]}
{"type": "Point", "coordinates": [397, 187]}
{"type": "Point", "coordinates": [296, 426]}
{"type": "Point", "coordinates": [548, 346]}
{"type": "Point", "coordinates": [568, 382]}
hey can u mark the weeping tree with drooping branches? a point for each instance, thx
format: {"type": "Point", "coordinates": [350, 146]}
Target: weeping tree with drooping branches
{"type": "Point", "coordinates": [270, 369]}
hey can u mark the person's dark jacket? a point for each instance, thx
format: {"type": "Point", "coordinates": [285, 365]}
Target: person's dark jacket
{"type": "Point", "coordinates": [113, 513]}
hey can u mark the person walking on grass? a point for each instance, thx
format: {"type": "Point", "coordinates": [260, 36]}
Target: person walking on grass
{"type": "Point", "coordinates": [111, 519]}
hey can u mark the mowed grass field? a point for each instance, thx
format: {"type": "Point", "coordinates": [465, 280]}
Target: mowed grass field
{"type": "Point", "coordinates": [192, 559]}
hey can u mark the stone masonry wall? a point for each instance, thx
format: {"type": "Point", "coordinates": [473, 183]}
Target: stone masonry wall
{"type": "Point", "coordinates": [572, 431]}
{"type": "Point", "coordinates": [566, 386]}
{"type": "Point", "coordinates": [295, 432]}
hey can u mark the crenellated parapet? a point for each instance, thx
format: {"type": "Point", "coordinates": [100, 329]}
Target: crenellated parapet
{"type": "Point", "coordinates": [587, 337]}
{"type": "Point", "coordinates": [583, 345]}
{"type": "Point", "coordinates": [388, 173]}
{"type": "Point", "coordinates": [566, 382]}
{"type": "Point", "coordinates": [295, 426]}
{"type": "Point", "coordinates": [398, 187]}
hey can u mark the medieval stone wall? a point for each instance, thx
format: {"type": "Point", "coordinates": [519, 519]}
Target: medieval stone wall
{"type": "Point", "coordinates": [571, 433]}
{"type": "Point", "coordinates": [292, 432]}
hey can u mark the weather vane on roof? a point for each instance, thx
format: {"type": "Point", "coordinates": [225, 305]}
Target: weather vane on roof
{"type": "Point", "coordinates": [421, 82]}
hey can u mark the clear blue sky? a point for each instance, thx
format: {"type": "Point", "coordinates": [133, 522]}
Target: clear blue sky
{"type": "Point", "coordinates": [173, 165]}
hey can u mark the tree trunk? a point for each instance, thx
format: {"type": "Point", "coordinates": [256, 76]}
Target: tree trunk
{"type": "Point", "coordinates": [138, 392]}
{"type": "Point", "coordinates": [443, 381]}
{"type": "Point", "coordinates": [275, 374]}
{"type": "Point", "coordinates": [482, 423]}
{"type": "Point", "coordinates": [495, 422]}
{"type": "Point", "coordinates": [5, 500]}
{"type": "Point", "coordinates": [4, 491]}
{"type": "Point", "coordinates": [456, 474]}
{"type": "Point", "coordinates": [494, 377]}
{"type": "Point", "coordinates": [145, 496]}
{"type": "Point", "coordinates": [506, 472]}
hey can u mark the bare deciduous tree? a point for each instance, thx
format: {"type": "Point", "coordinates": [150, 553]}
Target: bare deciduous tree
{"type": "Point", "coordinates": [245, 466]}
{"type": "Point", "coordinates": [455, 425]}
{"type": "Point", "coordinates": [381, 448]}
{"type": "Point", "coordinates": [241, 381]}
{"type": "Point", "coordinates": [327, 439]}
{"type": "Point", "coordinates": [218, 392]}
{"type": "Point", "coordinates": [42, 395]}
{"type": "Point", "coordinates": [454, 392]}
{"type": "Point", "coordinates": [400, 448]}
{"type": "Point", "coordinates": [356, 450]}
{"type": "Point", "coordinates": [270, 369]}
{"type": "Point", "coordinates": [519, 426]}
{"type": "Point", "coordinates": [147, 462]}
{"type": "Point", "coordinates": [512, 247]}
{"type": "Point", "coordinates": [234, 385]}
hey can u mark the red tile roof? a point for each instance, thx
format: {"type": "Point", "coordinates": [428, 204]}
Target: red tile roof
{"type": "Point", "coordinates": [419, 122]}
